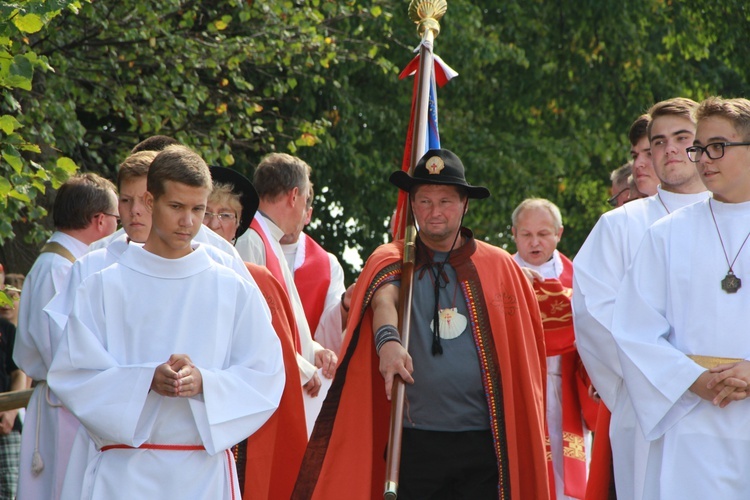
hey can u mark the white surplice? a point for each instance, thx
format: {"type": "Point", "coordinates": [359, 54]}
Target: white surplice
{"type": "Point", "coordinates": [128, 319]}
{"type": "Point", "coordinates": [671, 304]}
{"type": "Point", "coordinates": [205, 235]}
{"type": "Point", "coordinates": [598, 271]}
{"type": "Point", "coordinates": [46, 425]}
{"type": "Point", "coordinates": [330, 330]}
{"type": "Point", "coordinates": [58, 309]}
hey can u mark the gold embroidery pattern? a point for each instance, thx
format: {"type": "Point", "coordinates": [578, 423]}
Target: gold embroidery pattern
{"type": "Point", "coordinates": [548, 448]}
{"type": "Point", "coordinates": [573, 446]}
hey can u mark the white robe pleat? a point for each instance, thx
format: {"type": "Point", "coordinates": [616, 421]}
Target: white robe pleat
{"type": "Point", "coordinates": [671, 304]}
{"type": "Point", "coordinates": [130, 318]}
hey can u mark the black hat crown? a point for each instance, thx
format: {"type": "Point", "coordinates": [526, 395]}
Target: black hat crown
{"type": "Point", "coordinates": [438, 166]}
{"type": "Point", "coordinates": [242, 186]}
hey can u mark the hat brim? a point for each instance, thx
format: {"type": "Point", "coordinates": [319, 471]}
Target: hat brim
{"type": "Point", "coordinates": [405, 182]}
{"type": "Point", "coordinates": [242, 186]}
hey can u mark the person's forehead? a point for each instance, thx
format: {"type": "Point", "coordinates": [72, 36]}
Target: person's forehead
{"type": "Point", "coordinates": [641, 145]}
{"type": "Point", "coordinates": [714, 127]}
{"type": "Point", "coordinates": [670, 124]}
{"type": "Point", "coordinates": [178, 191]}
{"type": "Point", "coordinates": [535, 216]}
{"type": "Point", "coordinates": [436, 190]}
{"type": "Point", "coordinates": [133, 185]}
{"type": "Point", "coordinates": [220, 202]}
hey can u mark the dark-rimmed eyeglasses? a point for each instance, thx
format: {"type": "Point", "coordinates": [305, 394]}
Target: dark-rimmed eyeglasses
{"type": "Point", "coordinates": [714, 151]}
{"type": "Point", "coordinates": [613, 201]}
{"type": "Point", "coordinates": [224, 217]}
{"type": "Point", "coordinates": [117, 217]}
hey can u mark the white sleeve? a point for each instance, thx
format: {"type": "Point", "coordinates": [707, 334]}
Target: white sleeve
{"type": "Point", "coordinates": [657, 374]}
{"type": "Point", "coordinates": [598, 270]}
{"type": "Point", "coordinates": [34, 346]}
{"type": "Point", "coordinates": [330, 331]}
{"type": "Point", "coordinates": [250, 247]}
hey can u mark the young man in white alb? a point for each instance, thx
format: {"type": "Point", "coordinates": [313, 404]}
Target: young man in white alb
{"type": "Point", "coordinates": [684, 354]}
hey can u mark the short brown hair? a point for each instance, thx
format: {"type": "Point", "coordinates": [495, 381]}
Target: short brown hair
{"type": "Point", "coordinates": [639, 129]}
{"type": "Point", "coordinates": [178, 164]}
{"type": "Point", "coordinates": [80, 198]}
{"type": "Point", "coordinates": [737, 111]}
{"type": "Point", "coordinates": [677, 106]}
{"type": "Point", "coordinates": [154, 143]}
{"type": "Point", "coordinates": [134, 166]}
{"type": "Point", "coordinates": [279, 173]}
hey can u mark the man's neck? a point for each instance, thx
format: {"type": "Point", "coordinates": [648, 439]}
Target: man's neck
{"type": "Point", "coordinates": [694, 186]}
{"type": "Point", "coordinates": [444, 245]}
{"type": "Point", "coordinates": [85, 236]}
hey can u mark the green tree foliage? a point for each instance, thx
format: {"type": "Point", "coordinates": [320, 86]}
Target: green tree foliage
{"type": "Point", "coordinates": [545, 96]}
{"type": "Point", "coordinates": [25, 172]}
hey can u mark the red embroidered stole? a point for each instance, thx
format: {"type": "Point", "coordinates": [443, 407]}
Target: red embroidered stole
{"type": "Point", "coordinates": [272, 262]}
{"type": "Point", "coordinates": [313, 278]}
{"type": "Point", "coordinates": [554, 297]}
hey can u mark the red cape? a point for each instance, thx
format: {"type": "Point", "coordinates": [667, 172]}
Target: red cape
{"type": "Point", "coordinates": [274, 452]}
{"type": "Point", "coordinates": [346, 451]}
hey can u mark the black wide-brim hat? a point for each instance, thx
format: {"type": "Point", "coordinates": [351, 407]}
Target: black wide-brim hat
{"type": "Point", "coordinates": [242, 186]}
{"type": "Point", "coordinates": [438, 166]}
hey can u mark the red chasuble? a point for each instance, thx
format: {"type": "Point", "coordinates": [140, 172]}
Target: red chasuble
{"type": "Point", "coordinates": [274, 452]}
{"type": "Point", "coordinates": [554, 296]}
{"type": "Point", "coordinates": [345, 455]}
{"type": "Point", "coordinates": [313, 278]}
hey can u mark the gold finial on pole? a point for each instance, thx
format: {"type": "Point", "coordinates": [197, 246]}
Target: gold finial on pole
{"type": "Point", "coordinates": [426, 14]}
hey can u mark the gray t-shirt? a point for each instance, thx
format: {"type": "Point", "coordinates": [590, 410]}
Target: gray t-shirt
{"type": "Point", "coordinates": [447, 394]}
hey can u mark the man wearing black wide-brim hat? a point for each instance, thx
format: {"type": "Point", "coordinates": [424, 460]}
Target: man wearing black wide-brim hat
{"type": "Point", "coordinates": [474, 415]}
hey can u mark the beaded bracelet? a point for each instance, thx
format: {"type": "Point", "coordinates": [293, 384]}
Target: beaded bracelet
{"type": "Point", "coordinates": [386, 333]}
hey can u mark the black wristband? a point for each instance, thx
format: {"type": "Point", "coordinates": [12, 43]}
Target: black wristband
{"type": "Point", "coordinates": [386, 333]}
{"type": "Point", "coordinates": [343, 294]}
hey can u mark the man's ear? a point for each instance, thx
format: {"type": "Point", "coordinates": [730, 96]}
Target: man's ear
{"type": "Point", "coordinates": [98, 220]}
{"type": "Point", "coordinates": [293, 196]}
{"type": "Point", "coordinates": [148, 199]}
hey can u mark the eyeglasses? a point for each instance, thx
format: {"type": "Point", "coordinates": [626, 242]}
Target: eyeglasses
{"type": "Point", "coordinates": [714, 151]}
{"type": "Point", "coordinates": [224, 217]}
{"type": "Point", "coordinates": [613, 201]}
{"type": "Point", "coordinates": [117, 217]}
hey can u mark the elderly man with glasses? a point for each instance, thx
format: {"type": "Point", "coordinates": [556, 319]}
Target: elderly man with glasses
{"type": "Point", "coordinates": [620, 190]}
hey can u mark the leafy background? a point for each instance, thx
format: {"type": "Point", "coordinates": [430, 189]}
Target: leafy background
{"type": "Point", "coordinates": [546, 93]}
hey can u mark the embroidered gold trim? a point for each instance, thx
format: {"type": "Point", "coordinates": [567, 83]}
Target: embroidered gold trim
{"type": "Point", "coordinates": [711, 361]}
